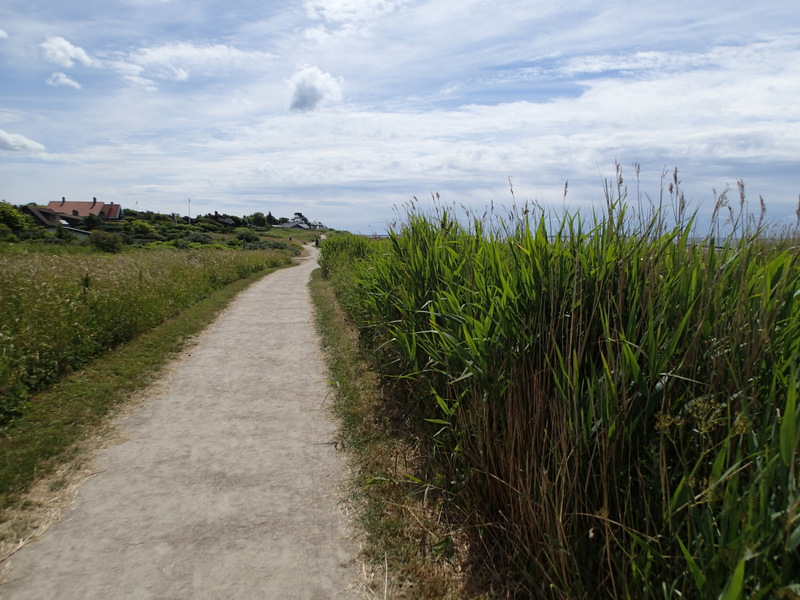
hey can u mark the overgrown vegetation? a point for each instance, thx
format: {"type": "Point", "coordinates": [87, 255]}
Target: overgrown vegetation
{"type": "Point", "coordinates": [58, 312]}
{"type": "Point", "coordinates": [407, 547]}
{"type": "Point", "coordinates": [609, 405]}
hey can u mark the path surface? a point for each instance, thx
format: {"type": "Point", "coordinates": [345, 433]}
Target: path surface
{"type": "Point", "coordinates": [226, 485]}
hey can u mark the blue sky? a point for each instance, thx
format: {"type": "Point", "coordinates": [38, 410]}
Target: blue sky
{"type": "Point", "coordinates": [345, 109]}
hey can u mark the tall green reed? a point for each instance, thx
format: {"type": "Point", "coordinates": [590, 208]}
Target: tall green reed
{"type": "Point", "coordinates": [612, 400]}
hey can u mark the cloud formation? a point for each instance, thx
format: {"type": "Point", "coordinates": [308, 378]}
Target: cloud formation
{"type": "Point", "coordinates": [61, 52]}
{"type": "Point", "coordinates": [18, 143]}
{"type": "Point", "coordinates": [340, 11]}
{"type": "Point", "coordinates": [58, 78]}
{"type": "Point", "coordinates": [3, 35]}
{"type": "Point", "coordinates": [450, 96]}
{"type": "Point", "coordinates": [177, 60]}
{"type": "Point", "coordinates": [311, 88]}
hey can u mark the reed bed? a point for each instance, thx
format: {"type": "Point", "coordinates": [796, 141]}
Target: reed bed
{"type": "Point", "coordinates": [609, 403]}
{"type": "Point", "coordinates": [57, 312]}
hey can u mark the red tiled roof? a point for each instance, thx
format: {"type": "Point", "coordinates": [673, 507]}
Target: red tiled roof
{"type": "Point", "coordinates": [113, 211]}
{"type": "Point", "coordinates": [84, 209]}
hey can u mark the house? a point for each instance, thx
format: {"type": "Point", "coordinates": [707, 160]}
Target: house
{"type": "Point", "coordinates": [51, 221]}
{"type": "Point", "coordinates": [44, 217]}
{"type": "Point", "coordinates": [223, 220]}
{"type": "Point", "coordinates": [294, 224]}
{"type": "Point", "coordinates": [104, 210]}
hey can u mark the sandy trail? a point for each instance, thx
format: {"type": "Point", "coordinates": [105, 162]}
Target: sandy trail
{"type": "Point", "coordinates": [226, 484]}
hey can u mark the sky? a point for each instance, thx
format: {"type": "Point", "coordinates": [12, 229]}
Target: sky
{"type": "Point", "coordinates": [346, 110]}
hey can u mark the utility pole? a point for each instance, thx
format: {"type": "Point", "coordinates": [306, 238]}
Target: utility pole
{"type": "Point", "coordinates": [190, 210]}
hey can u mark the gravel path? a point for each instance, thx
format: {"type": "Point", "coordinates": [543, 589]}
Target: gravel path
{"type": "Point", "coordinates": [226, 486]}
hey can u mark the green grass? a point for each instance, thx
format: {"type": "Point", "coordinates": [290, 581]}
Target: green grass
{"type": "Point", "coordinates": [58, 312]}
{"type": "Point", "coordinates": [56, 420]}
{"type": "Point", "coordinates": [610, 404]}
{"type": "Point", "coordinates": [404, 531]}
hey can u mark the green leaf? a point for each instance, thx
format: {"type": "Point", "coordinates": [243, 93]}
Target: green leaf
{"type": "Point", "coordinates": [788, 437]}
{"type": "Point", "coordinates": [699, 578]}
{"type": "Point", "coordinates": [794, 539]}
{"type": "Point", "coordinates": [443, 405]}
{"type": "Point", "coordinates": [735, 588]}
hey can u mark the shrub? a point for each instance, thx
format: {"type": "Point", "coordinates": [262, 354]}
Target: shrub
{"type": "Point", "coordinates": [13, 219]}
{"type": "Point", "coordinates": [246, 235]}
{"type": "Point", "coordinates": [144, 229]}
{"type": "Point", "coordinates": [200, 238]}
{"type": "Point", "coordinates": [107, 242]}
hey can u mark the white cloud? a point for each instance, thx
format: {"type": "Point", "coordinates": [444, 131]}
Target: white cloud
{"type": "Point", "coordinates": [638, 61]}
{"type": "Point", "coordinates": [18, 143]}
{"type": "Point", "coordinates": [442, 95]}
{"type": "Point", "coordinates": [311, 88]}
{"type": "Point", "coordinates": [3, 35]}
{"type": "Point", "coordinates": [61, 52]}
{"type": "Point", "coordinates": [340, 11]}
{"type": "Point", "coordinates": [176, 61]}
{"type": "Point", "coordinates": [57, 79]}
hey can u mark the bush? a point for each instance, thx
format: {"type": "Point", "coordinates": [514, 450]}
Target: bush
{"type": "Point", "coordinates": [200, 238]}
{"type": "Point", "coordinates": [144, 230]}
{"type": "Point", "coordinates": [6, 235]}
{"type": "Point", "coordinates": [13, 219]}
{"type": "Point", "coordinates": [107, 242]}
{"type": "Point", "coordinates": [246, 235]}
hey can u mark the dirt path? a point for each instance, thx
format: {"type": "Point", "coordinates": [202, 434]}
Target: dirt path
{"type": "Point", "coordinates": [226, 484]}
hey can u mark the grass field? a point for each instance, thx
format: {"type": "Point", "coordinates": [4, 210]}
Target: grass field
{"type": "Point", "coordinates": [608, 405]}
{"type": "Point", "coordinates": [59, 311]}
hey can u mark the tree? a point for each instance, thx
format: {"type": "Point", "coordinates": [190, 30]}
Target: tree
{"type": "Point", "coordinates": [258, 219]}
{"type": "Point", "coordinates": [13, 218]}
{"type": "Point", "coordinates": [91, 222]}
{"type": "Point", "coordinates": [272, 220]}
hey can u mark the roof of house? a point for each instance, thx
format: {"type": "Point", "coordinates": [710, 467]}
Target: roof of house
{"type": "Point", "coordinates": [84, 209]}
{"type": "Point", "coordinates": [42, 215]}
{"type": "Point", "coordinates": [223, 220]}
{"type": "Point", "coordinates": [293, 225]}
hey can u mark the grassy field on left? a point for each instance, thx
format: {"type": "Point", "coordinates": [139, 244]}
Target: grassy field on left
{"type": "Point", "coordinates": [79, 334]}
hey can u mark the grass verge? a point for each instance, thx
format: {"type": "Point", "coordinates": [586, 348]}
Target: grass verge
{"type": "Point", "coordinates": [58, 427]}
{"type": "Point", "coordinates": [409, 548]}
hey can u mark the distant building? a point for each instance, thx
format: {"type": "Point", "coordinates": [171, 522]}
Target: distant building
{"type": "Point", "coordinates": [222, 220]}
{"type": "Point", "coordinates": [51, 220]}
{"type": "Point", "coordinates": [104, 210]}
{"type": "Point", "coordinates": [294, 224]}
